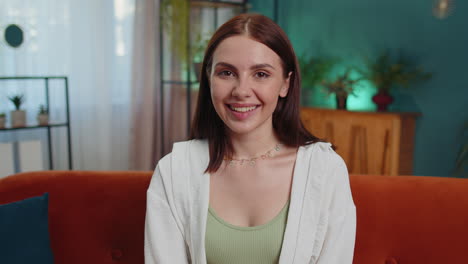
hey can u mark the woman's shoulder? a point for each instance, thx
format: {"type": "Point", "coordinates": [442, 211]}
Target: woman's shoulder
{"type": "Point", "coordinates": [187, 147]}
{"type": "Point", "coordinates": [324, 148]}
{"type": "Point", "coordinates": [191, 145]}
{"type": "Point", "coordinates": [322, 153]}
{"type": "Point", "coordinates": [326, 167]}
{"type": "Point", "coordinates": [193, 151]}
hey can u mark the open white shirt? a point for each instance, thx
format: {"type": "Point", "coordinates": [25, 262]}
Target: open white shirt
{"type": "Point", "coordinates": [321, 224]}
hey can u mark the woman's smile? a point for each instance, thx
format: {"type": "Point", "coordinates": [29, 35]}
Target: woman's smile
{"type": "Point", "coordinates": [243, 111]}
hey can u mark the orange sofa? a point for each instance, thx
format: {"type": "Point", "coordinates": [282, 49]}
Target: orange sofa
{"type": "Point", "coordinates": [98, 217]}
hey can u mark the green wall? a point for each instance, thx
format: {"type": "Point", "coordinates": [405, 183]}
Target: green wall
{"type": "Point", "coordinates": [354, 29]}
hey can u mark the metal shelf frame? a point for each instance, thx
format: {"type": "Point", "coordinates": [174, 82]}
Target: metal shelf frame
{"type": "Point", "coordinates": [48, 127]}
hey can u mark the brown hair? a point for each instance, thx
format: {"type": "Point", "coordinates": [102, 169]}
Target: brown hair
{"type": "Point", "coordinates": [286, 120]}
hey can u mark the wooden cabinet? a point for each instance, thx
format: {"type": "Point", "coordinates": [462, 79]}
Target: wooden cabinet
{"type": "Point", "coordinates": [369, 142]}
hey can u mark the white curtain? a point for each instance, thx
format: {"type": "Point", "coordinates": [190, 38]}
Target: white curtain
{"type": "Point", "coordinates": [90, 42]}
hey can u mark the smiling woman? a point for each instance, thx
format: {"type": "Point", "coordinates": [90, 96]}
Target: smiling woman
{"type": "Point", "coordinates": [238, 190]}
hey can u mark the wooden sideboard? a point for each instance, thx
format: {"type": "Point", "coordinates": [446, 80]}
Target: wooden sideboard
{"type": "Point", "coordinates": [369, 142]}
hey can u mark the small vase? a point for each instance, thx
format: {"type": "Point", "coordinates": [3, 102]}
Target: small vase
{"type": "Point", "coordinates": [2, 122]}
{"type": "Point", "coordinates": [382, 99]}
{"type": "Point", "coordinates": [341, 102]}
{"type": "Point", "coordinates": [43, 119]}
{"type": "Point", "coordinates": [18, 118]}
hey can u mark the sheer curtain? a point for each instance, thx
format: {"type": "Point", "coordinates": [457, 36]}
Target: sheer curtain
{"type": "Point", "coordinates": [91, 42]}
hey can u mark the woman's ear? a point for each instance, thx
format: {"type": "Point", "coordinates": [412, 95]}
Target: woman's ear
{"type": "Point", "coordinates": [285, 88]}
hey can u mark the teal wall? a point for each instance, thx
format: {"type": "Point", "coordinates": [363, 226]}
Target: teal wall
{"type": "Point", "coordinates": [354, 29]}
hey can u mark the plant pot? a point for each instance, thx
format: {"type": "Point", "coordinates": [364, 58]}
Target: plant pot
{"type": "Point", "coordinates": [341, 102]}
{"type": "Point", "coordinates": [2, 122]}
{"type": "Point", "coordinates": [18, 118]}
{"type": "Point", "coordinates": [43, 119]}
{"type": "Point", "coordinates": [382, 99]}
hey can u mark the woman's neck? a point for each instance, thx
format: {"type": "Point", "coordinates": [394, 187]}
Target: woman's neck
{"type": "Point", "coordinates": [253, 144]}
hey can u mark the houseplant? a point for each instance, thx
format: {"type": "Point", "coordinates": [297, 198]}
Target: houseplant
{"type": "Point", "coordinates": [187, 41]}
{"type": "Point", "coordinates": [2, 120]}
{"type": "Point", "coordinates": [314, 71]}
{"type": "Point", "coordinates": [175, 16]}
{"type": "Point", "coordinates": [342, 86]}
{"type": "Point", "coordinates": [385, 73]}
{"type": "Point", "coordinates": [18, 116]}
{"type": "Point", "coordinates": [43, 116]}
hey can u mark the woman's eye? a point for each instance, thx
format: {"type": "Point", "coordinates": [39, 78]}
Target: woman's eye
{"type": "Point", "coordinates": [262, 75]}
{"type": "Point", "coordinates": [226, 73]}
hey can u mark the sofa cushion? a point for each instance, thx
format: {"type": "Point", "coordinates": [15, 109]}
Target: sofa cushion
{"type": "Point", "coordinates": [24, 231]}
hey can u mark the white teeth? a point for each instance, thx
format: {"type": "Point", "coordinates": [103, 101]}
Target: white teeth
{"type": "Point", "coordinates": [242, 109]}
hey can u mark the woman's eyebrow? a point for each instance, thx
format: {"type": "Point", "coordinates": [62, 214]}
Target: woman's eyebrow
{"type": "Point", "coordinates": [225, 64]}
{"type": "Point", "coordinates": [253, 67]}
{"type": "Point", "coordinates": [261, 65]}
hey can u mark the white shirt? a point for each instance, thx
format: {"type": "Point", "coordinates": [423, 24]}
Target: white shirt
{"type": "Point", "coordinates": [321, 225]}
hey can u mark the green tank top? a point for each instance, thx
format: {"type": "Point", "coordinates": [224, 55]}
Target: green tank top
{"type": "Point", "coordinates": [230, 244]}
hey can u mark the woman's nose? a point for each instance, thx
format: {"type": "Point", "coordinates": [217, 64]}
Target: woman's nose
{"type": "Point", "coordinates": [242, 88]}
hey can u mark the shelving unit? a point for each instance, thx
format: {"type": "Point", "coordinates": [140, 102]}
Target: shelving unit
{"type": "Point", "coordinates": [51, 125]}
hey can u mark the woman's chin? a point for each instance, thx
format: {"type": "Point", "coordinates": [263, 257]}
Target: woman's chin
{"type": "Point", "coordinates": [248, 128]}
{"type": "Point", "coordinates": [236, 129]}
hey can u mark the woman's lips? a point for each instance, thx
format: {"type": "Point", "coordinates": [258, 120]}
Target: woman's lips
{"type": "Point", "coordinates": [242, 111]}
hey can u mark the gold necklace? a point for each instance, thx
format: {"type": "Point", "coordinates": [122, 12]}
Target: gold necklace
{"type": "Point", "coordinates": [252, 161]}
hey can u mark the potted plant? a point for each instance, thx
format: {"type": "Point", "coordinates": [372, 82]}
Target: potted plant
{"type": "Point", "coordinates": [43, 116]}
{"type": "Point", "coordinates": [2, 120]}
{"type": "Point", "coordinates": [175, 21]}
{"type": "Point", "coordinates": [175, 16]}
{"type": "Point", "coordinates": [314, 72]}
{"type": "Point", "coordinates": [342, 87]}
{"type": "Point", "coordinates": [386, 73]}
{"type": "Point", "coordinates": [18, 116]}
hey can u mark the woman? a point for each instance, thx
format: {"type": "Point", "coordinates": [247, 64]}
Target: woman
{"type": "Point", "coordinates": [252, 185]}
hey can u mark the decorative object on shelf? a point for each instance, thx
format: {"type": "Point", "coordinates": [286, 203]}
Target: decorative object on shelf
{"type": "Point", "coordinates": [2, 120]}
{"type": "Point", "coordinates": [382, 99]}
{"type": "Point", "coordinates": [441, 9]}
{"type": "Point", "coordinates": [314, 71]}
{"type": "Point", "coordinates": [14, 36]}
{"type": "Point", "coordinates": [342, 87]}
{"type": "Point", "coordinates": [43, 116]}
{"type": "Point", "coordinates": [18, 116]}
{"type": "Point", "coordinates": [385, 73]}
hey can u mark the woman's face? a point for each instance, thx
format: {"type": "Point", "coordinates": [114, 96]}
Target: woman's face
{"type": "Point", "coordinates": [246, 80]}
